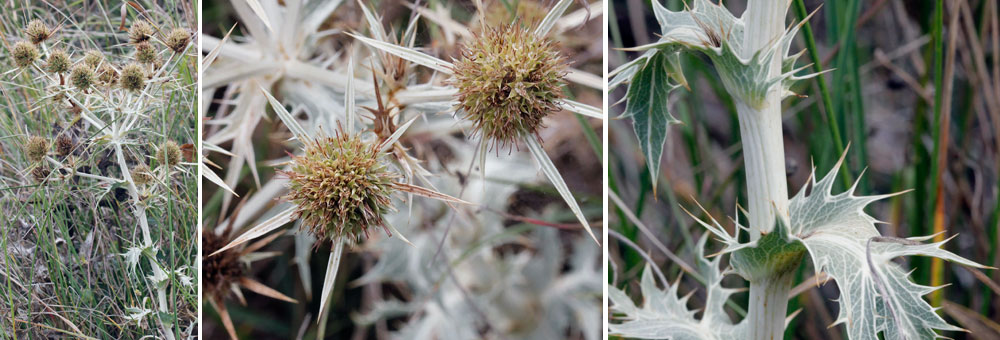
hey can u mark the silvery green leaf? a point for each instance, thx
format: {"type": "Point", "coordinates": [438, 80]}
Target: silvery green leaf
{"type": "Point", "coordinates": [664, 314]}
{"type": "Point", "coordinates": [876, 295]}
{"type": "Point", "coordinates": [648, 104]}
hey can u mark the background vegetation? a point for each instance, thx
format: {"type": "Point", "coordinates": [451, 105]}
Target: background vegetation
{"type": "Point", "coordinates": [64, 236]}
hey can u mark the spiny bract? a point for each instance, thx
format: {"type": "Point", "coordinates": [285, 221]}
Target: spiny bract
{"type": "Point", "coordinates": [58, 61]}
{"type": "Point", "coordinates": [509, 79]}
{"type": "Point", "coordinates": [340, 186]}
{"type": "Point", "coordinates": [24, 54]}
{"type": "Point", "coordinates": [37, 31]}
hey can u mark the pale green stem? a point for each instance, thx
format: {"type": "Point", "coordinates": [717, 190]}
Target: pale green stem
{"type": "Point", "coordinates": [764, 156]}
{"type": "Point", "coordinates": [768, 305]}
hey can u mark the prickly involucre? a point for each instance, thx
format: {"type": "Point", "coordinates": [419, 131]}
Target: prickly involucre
{"type": "Point", "coordinates": [508, 80]}
{"type": "Point", "coordinates": [37, 31]}
{"type": "Point", "coordinates": [24, 54]}
{"type": "Point", "coordinates": [341, 186]}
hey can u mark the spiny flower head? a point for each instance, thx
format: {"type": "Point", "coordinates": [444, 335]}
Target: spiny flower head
{"type": "Point", "coordinates": [37, 31]}
{"type": "Point", "coordinates": [178, 39]}
{"type": "Point", "coordinates": [133, 77]}
{"type": "Point", "coordinates": [340, 186]}
{"type": "Point", "coordinates": [24, 54]}
{"type": "Point", "coordinates": [64, 144]}
{"type": "Point", "coordinates": [221, 271]}
{"type": "Point", "coordinates": [82, 76]}
{"type": "Point", "coordinates": [93, 58]}
{"type": "Point", "coordinates": [58, 61]}
{"type": "Point", "coordinates": [107, 75]}
{"type": "Point", "coordinates": [145, 53]}
{"type": "Point", "coordinates": [141, 174]}
{"type": "Point", "coordinates": [170, 153]}
{"type": "Point", "coordinates": [37, 148]}
{"type": "Point", "coordinates": [508, 80]}
{"type": "Point", "coordinates": [140, 31]}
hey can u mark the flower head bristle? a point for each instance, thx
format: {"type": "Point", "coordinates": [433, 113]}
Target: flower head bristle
{"type": "Point", "coordinates": [508, 80]}
{"type": "Point", "coordinates": [37, 148]}
{"type": "Point", "coordinates": [133, 77]}
{"type": "Point", "coordinates": [58, 61]}
{"type": "Point", "coordinates": [178, 39]}
{"type": "Point", "coordinates": [340, 186]}
{"type": "Point", "coordinates": [24, 54]}
{"type": "Point", "coordinates": [82, 76]}
{"type": "Point", "coordinates": [145, 53]}
{"type": "Point", "coordinates": [170, 153]}
{"type": "Point", "coordinates": [140, 31]}
{"type": "Point", "coordinates": [37, 31]}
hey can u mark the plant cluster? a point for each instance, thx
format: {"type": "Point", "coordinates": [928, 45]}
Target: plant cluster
{"type": "Point", "coordinates": [93, 169]}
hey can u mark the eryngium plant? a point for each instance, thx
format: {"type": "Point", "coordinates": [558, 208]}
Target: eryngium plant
{"type": "Point", "coordinates": [751, 55]}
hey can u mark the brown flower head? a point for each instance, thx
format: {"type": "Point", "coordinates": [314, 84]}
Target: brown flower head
{"type": "Point", "coordinates": [58, 61]}
{"type": "Point", "coordinates": [133, 77]}
{"type": "Point", "coordinates": [178, 39]}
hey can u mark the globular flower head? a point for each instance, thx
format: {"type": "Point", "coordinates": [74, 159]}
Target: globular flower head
{"type": "Point", "coordinates": [82, 76]}
{"type": "Point", "coordinates": [37, 148]}
{"type": "Point", "coordinates": [93, 58]}
{"type": "Point", "coordinates": [340, 186]}
{"type": "Point", "coordinates": [145, 53]}
{"type": "Point", "coordinates": [141, 174]}
{"type": "Point", "coordinates": [37, 31]}
{"type": "Point", "coordinates": [140, 31]}
{"type": "Point", "coordinates": [58, 61]}
{"type": "Point", "coordinates": [107, 75]}
{"type": "Point", "coordinates": [508, 80]}
{"type": "Point", "coordinates": [64, 144]}
{"type": "Point", "coordinates": [24, 54]}
{"type": "Point", "coordinates": [178, 39]}
{"type": "Point", "coordinates": [170, 153]}
{"type": "Point", "coordinates": [133, 77]}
